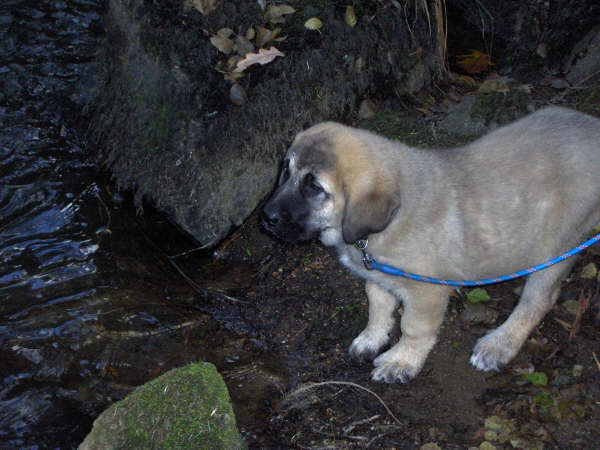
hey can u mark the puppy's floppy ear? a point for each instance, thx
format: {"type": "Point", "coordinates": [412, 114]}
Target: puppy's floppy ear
{"type": "Point", "coordinates": [368, 211]}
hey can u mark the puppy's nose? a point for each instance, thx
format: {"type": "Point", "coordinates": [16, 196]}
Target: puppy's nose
{"type": "Point", "coordinates": [270, 216]}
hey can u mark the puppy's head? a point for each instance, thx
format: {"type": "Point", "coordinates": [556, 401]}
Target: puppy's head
{"type": "Point", "coordinates": [332, 186]}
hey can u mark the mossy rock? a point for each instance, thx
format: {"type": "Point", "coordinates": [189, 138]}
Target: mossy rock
{"type": "Point", "coordinates": [163, 122]}
{"type": "Point", "coordinates": [185, 408]}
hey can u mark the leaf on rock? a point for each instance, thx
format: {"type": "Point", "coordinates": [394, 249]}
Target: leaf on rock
{"type": "Point", "coordinates": [262, 57]}
{"type": "Point", "coordinates": [276, 13]}
{"type": "Point", "coordinates": [224, 32]}
{"type": "Point", "coordinates": [350, 16]}
{"type": "Point", "coordinates": [474, 62]}
{"type": "Point", "coordinates": [202, 6]}
{"type": "Point", "coordinates": [223, 44]}
{"type": "Point", "coordinates": [243, 46]}
{"type": "Point", "coordinates": [314, 23]}
{"type": "Point", "coordinates": [263, 35]}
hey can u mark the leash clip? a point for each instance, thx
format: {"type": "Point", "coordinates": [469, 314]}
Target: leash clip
{"type": "Point", "coordinates": [361, 244]}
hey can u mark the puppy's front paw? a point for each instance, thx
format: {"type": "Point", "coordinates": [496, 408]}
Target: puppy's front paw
{"type": "Point", "coordinates": [392, 372]}
{"type": "Point", "coordinates": [389, 368]}
{"type": "Point", "coordinates": [493, 351]}
{"type": "Point", "coordinates": [367, 345]}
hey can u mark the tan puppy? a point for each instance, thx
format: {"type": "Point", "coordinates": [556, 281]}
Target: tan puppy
{"type": "Point", "coordinates": [512, 199]}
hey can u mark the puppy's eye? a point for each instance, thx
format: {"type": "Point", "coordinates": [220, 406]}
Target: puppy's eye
{"type": "Point", "coordinates": [311, 185]}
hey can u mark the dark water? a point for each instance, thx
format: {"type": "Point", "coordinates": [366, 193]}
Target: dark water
{"type": "Point", "coordinates": [89, 307]}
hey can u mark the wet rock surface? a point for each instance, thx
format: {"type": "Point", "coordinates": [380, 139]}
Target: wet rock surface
{"type": "Point", "coordinates": [164, 121]}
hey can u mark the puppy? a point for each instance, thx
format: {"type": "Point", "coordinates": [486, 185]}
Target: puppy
{"type": "Point", "coordinates": [521, 195]}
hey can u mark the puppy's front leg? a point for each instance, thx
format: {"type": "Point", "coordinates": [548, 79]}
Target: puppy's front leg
{"type": "Point", "coordinates": [424, 307]}
{"type": "Point", "coordinates": [381, 309]}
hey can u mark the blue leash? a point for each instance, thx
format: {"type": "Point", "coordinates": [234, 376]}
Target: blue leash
{"type": "Point", "coordinates": [371, 264]}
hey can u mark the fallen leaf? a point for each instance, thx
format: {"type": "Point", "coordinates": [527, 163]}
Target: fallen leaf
{"type": "Point", "coordinates": [350, 16]}
{"type": "Point", "coordinates": [262, 57]}
{"type": "Point", "coordinates": [276, 13]}
{"type": "Point", "coordinates": [536, 378]}
{"type": "Point", "coordinates": [243, 46]}
{"type": "Point", "coordinates": [474, 62]}
{"type": "Point", "coordinates": [314, 23]}
{"type": "Point", "coordinates": [466, 81]}
{"type": "Point", "coordinates": [478, 295]}
{"type": "Point", "coordinates": [202, 6]}
{"type": "Point", "coordinates": [263, 35]}
{"type": "Point", "coordinates": [367, 109]}
{"type": "Point", "coordinates": [250, 33]}
{"type": "Point", "coordinates": [224, 45]}
{"type": "Point", "coordinates": [224, 32]}
{"type": "Point", "coordinates": [493, 85]}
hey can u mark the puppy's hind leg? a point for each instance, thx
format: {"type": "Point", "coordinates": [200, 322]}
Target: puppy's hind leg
{"type": "Point", "coordinates": [381, 309]}
{"type": "Point", "coordinates": [498, 347]}
{"type": "Point", "coordinates": [424, 307]}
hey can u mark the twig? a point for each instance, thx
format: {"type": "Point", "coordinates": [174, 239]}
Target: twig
{"type": "Point", "coordinates": [596, 359]}
{"type": "Point", "coordinates": [199, 289]}
{"type": "Point", "coordinates": [566, 91]}
{"type": "Point", "coordinates": [350, 428]}
{"type": "Point", "coordinates": [220, 252]}
{"type": "Point", "coordinates": [582, 306]}
{"type": "Point", "coordinates": [566, 325]}
{"type": "Point", "coordinates": [347, 383]}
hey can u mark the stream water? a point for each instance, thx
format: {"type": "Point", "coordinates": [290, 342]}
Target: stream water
{"type": "Point", "coordinates": [88, 309]}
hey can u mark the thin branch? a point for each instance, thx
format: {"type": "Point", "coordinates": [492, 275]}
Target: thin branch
{"type": "Point", "coordinates": [346, 383]}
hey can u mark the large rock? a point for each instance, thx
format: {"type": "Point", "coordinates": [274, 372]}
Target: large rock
{"type": "Point", "coordinates": [185, 408]}
{"type": "Point", "coordinates": [584, 60]}
{"type": "Point", "coordinates": [163, 120]}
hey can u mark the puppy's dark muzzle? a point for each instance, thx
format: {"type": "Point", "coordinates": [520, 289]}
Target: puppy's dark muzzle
{"type": "Point", "coordinates": [280, 222]}
{"type": "Point", "coordinates": [275, 220]}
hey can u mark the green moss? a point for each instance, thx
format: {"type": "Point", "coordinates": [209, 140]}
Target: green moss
{"type": "Point", "coordinates": [184, 408]}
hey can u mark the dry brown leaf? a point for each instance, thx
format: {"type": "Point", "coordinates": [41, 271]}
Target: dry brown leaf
{"type": "Point", "coordinates": [262, 57]}
{"type": "Point", "coordinates": [474, 62]}
{"type": "Point", "coordinates": [466, 81]}
{"type": "Point", "coordinates": [350, 16]}
{"type": "Point", "coordinates": [202, 6]}
{"type": "Point", "coordinates": [243, 45]}
{"type": "Point", "coordinates": [224, 32]}
{"type": "Point", "coordinates": [232, 62]}
{"type": "Point", "coordinates": [224, 45]}
{"type": "Point", "coordinates": [263, 35]}
{"type": "Point", "coordinates": [276, 13]}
